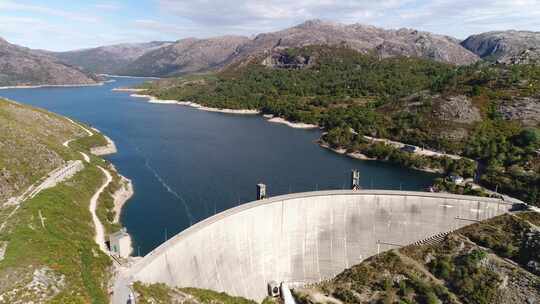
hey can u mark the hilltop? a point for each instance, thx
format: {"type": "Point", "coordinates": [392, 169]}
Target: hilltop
{"type": "Point", "coordinates": [23, 66]}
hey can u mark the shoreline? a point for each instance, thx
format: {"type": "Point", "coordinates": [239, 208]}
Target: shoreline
{"type": "Point", "coordinates": [294, 125]}
{"type": "Point", "coordinates": [121, 195]}
{"type": "Point", "coordinates": [360, 156]}
{"type": "Point", "coordinates": [152, 99]}
{"type": "Point", "coordinates": [355, 155]}
{"type": "Point", "coordinates": [127, 90]}
{"type": "Point", "coordinates": [269, 118]}
{"type": "Point", "coordinates": [108, 149]}
{"type": "Point", "coordinates": [53, 86]}
{"type": "Point", "coordinates": [134, 77]}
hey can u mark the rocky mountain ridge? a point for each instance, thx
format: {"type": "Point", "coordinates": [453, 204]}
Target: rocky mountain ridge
{"type": "Point", "coordinates": [185, 56]}
{"type": "Point", "coordinates": [193, 55]}
{"type": "Point", "coordinates": [108, 59]}
{"type": "Point", "coordinates": [365, 39]}
{"type": "Point", "coordinates": [509, 47]}
{"type": "Point", "coordinates": [23, 66]}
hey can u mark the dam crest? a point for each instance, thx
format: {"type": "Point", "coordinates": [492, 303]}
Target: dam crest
{"type": "Point", "coordinates": [302, 238]}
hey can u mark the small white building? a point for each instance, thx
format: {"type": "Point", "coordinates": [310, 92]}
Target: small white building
{"type": "Point", "coordinates": [120, 243]}
{"type": "Point", "coordinates": [456, 179]}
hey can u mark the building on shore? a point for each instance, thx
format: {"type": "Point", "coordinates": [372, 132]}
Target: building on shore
{"type": "Point", "coordinates": [120, 243]}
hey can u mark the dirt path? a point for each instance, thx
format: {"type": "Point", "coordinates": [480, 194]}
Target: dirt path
{"type": "Point", "coordinates": [85, 156]}
{"type": "Point", "coordinates": [85, 129]}
{"type": "Point", "coordinates": [100, 230]}
{"type": "Point", "coordinates": [66, 143]}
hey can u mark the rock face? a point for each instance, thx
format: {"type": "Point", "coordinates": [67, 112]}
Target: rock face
{"type": "Point", "coordinates": [457, 109]}
{"type": "Point", "coordinates": [283, 60]}
{"type": "Point", "coordinates": [109, 59]}
{"type": "Point", "coordinates": [22, 66]}
{"type": "Point", "coordinates": [364, 38]}
{"type": "Point", "coordinates": [525, 109]}
{"type": "Point", "coordinates": [511, 47]}
{"type": "Point", "coordinates": [186, 56]}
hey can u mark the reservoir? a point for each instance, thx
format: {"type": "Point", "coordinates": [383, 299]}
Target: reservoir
{"type": "Point", "coordinates": [187, 164]}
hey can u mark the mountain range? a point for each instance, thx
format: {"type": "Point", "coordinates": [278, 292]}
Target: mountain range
{"type": "Point", "coordinates": [192, 55]}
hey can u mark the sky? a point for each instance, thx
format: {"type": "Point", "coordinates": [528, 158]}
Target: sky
{"type": "Point", "coordinates": [75, 24]}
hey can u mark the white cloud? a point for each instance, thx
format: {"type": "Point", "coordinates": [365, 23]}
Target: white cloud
{"type": "Point", "coordinates": [454, 17]}
{"type": "Point", "coordinates": [223, 12]}
{"type": "Point", "coordinates": [106, 21]}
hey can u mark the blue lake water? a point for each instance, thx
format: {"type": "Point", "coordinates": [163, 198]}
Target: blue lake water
{"type": "Point", "coordinates": [187, 164]}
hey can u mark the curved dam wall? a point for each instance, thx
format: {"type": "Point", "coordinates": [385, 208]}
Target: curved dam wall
{"type": "Point", "coordinates": [303, 238]}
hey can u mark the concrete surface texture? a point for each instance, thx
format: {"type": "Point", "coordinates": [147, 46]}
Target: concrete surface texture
{"type": "Point", "coordinates": [302, 238]}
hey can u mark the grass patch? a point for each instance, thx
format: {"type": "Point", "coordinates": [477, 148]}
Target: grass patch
{"type": "Point", "coordinates": [66, 243]}
{"type": "Point", "coordinates": [89, 142]}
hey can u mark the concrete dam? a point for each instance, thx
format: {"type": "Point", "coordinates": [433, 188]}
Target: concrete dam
{"type": "Point", "coordinates": [303, 238]}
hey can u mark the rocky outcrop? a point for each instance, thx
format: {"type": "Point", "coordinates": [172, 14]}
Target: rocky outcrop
{"type": "Point", "coordinates": [511, 47]}
{"type": "Point", "coordinates": [363, 38]}
{"type": "Point", "coordinates": [108, 59]}
{"type": "Point", "coordinates": [189, 55]}
{"type": "Point", "coordinates": [284, 60]}
{"type": "Point", "coordinates": [22, 66]}
{"type": "Point", "coordinates": [458, 109]}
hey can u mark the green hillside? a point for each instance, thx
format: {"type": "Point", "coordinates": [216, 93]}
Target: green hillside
{"type": "Point", "coordinates": [484, 112]}
{"type": "Point", "coordinates": [47, 241]}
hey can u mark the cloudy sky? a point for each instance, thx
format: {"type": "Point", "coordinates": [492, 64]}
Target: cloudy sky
{"type": "Point", "coordinates": [72, 24]}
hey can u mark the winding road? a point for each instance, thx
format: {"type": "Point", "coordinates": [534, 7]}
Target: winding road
{"type": "Point", "coordinates": [100, 230]}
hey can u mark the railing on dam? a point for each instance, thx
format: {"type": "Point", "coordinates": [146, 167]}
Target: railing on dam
{"type": "Point", "coordinates": [304, 237]}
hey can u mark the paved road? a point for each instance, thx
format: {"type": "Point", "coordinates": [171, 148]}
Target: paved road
{"type": "Point", "coordinates": [419, 150]}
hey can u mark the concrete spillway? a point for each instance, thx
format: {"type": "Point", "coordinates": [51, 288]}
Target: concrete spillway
{"type": "Point", "coordinates": [303, 238]}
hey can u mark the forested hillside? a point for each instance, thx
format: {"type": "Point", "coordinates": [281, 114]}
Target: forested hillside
{"type": "Point", "coordinates": [486, 112]}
